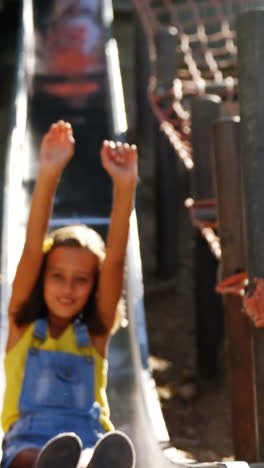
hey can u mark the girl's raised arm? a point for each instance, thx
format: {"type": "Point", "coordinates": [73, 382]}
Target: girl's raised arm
{"type": "Point", "coordinates": [56, 150]}
{"type": "Point", "coordinates": [120, 161]}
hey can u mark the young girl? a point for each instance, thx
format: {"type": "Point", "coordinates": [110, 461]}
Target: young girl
{"type": "Point", "coordinates": [63, 307]}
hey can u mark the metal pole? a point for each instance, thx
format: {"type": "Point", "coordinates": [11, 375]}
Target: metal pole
{"type": "Point", "coordinates": [226, 167]}
{"type": "Point", "coordinates": [250, 35]}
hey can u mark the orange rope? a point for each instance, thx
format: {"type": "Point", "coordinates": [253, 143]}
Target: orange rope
{"type": "Point", "coordinates": [213, 241]}
{"type": "Point", "coordinates": [253, 301]}
{"type": "Point", "coordinates": [206, 227]}
{"type": "Point", "coordinates": [199, 206]}
{"type": "Point", "coordinates": [252, 292]}
{"type": "Point", "coordinates": [234, 284]}
{"type": "Point", "coordinates": [206, 59]}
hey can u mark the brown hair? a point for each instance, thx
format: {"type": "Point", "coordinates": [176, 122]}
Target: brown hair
{"type": "Point", "coordinates": [71, 236]}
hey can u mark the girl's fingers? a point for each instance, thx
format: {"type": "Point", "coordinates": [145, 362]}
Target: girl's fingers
{"type": "Point", "coordinates": [105, 145]}
{"type": "Point", "coordinates": [104, 149]}
{"type": "Point", "coordinates": [71, 139]}
{"type": "Point", "coordinates": [61, 132]}
{"type": "Point", "coordinates": [60, 126]}
{"type": "Point", "coordinates": [121, 154]}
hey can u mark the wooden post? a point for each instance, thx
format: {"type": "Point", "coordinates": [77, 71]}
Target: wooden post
{"type": "Point", "coordinates": [170, 175]}
{"type": "Point", "coordinates": [208, 304]}
{"type": "Point", "coordinates": [171, 190]}
{"type": "Point", "coordinates": [205, 110]}
{"type": "Point", "coordinates": [250, 37]}
{"type": "Point", "coordinates": [166, 41]}
{"type": "Point", "coordinates": [226, 167]}
{"type": "Point", "coordinates": [144, 115]}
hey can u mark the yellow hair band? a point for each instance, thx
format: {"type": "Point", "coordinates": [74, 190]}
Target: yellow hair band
{"type": "Point", "coordinates": [47, 245]}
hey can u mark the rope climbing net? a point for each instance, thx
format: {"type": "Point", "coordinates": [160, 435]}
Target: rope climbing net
{"type": "Point", "coordinates": [205, 56]}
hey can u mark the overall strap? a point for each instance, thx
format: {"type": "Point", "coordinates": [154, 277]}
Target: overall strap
{"type": "Point", "coordinates": [40, 329]}
{"type": "Point", "coordinates": [81, 333]}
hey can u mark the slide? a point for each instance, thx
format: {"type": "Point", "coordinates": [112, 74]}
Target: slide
{"type": "Point", "coordinates": [68, 69]}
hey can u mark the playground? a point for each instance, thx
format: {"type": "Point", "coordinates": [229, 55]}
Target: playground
{"type": "Point", "coordinates": [188, 349]}
{"type": "Point", "coordinates": [197, 412]}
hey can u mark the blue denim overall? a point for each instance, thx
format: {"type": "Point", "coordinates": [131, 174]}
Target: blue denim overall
{"type": "Point", "coordinates": [57, 395]}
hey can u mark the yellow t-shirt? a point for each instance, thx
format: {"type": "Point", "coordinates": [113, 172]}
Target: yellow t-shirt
{"type": "Point", "coordinates": [15, 366]}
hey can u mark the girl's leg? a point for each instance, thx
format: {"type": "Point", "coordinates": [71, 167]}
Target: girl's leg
{"type": "Point", "coordinates": [25, 458]}
{"type": "Point", "coordinates": [62, 451]}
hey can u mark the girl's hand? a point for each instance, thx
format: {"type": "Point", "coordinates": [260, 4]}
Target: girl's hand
{"type": "Point", "coordinates": [57, 147]}
{"type": "Point", "coordinates": [120, 161]}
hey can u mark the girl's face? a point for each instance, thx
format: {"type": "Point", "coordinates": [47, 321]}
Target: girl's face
{"type": "Point", "coordinates": [68, 281]}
